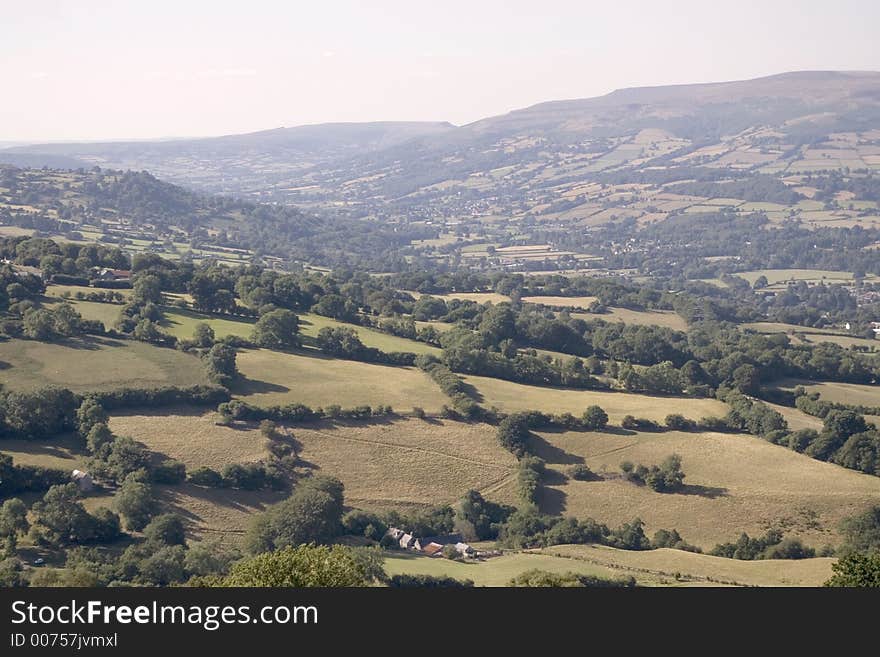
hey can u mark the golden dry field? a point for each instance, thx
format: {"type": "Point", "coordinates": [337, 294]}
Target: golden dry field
{"type": "Point", "coordinates": [410, 462]}
{"type": "Point", "coordinates": [734, 483]}
{"type": "Point", "coordinates": [191, 436]}
{"type": "Point", "coordinates": [512, 397]}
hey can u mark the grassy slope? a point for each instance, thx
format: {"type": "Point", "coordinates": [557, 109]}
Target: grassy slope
{"type": "Point", "coordinates": [735, 483]}
{"type": "Point", "coordinates": [312, 379]}
{"type": "Point", "coordinates": [410, 462]}
{"type": "Point", "coordinates": [191, 436]}
{"type": "Point", "coordinates": [510, 396]}
{"type": "Point", "coordinates": [95, 364]}
{"type": "Point", "coordinates": [181, 323]}
{"type": "Point", "coordinates": [844, 393]}
{"type": "Point", "coordinates": [650, 568]}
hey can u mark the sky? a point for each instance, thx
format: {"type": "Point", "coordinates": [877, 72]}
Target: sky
{"type": "Point", "coordinates": [98, 69]}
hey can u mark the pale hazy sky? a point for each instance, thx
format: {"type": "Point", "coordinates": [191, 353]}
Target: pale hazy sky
{"type": "Point", "coordinates": [95, 69]}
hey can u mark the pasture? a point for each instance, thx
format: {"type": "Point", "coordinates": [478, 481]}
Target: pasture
{"type": "Point", "coordinates": [733, 484]}
{"type": "Point", "coordinates": [271, 377]}
{"type": "Point", "coordinates": [567, 302]}
{"type": "Point", "coordinates": [62, 452]}
{"type": "Point", "coordinates": [843, 393]}
{"type": "Point", "coordinates": [696, 569]}
{"type": "Point", "coordinates": [497, 571]}
{"type": "Point", "coordinates": [513, 397]}
{"type": "Point", "coordinates": [409, 462]}
{"type": "Point", "coordinates": [775, 276]}
{"type": "Point", "coordinates": [649, 568]}
{"type": "Point", "coordinates": [181, 323]}
{"type": "Point", "coordinates": [191, 436]}
{"type": "Point", "coordinates": [665, 318]}
{"type": "Point", "coordinates": [478, 297]}
{"type": "Point", "coordinates": [95, 364]}
{"type": "Point", "coordinates": [837, 336]}
{"type": "Point", "coordinates": [106, 313]}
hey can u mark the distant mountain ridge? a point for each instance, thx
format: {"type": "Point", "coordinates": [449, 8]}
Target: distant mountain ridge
{"type": "Point", "coordinates": [517, 164]}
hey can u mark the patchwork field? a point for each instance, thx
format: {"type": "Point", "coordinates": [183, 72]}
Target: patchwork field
{"type": "Point", "coordinates": [390, 464]}
{"type": "Point", "coordinates": [512, 397]}
{"type": "Point", "coordinates": [271, 377]}
{"type": "Point", "coordinates": [734, 483]}
{"type": "Point", "coordinates": [409, 462]}
{"type": "Point", "coordinates": [94, 364]}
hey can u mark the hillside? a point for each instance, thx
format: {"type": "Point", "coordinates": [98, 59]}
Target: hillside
{"type": "Point", "coordinates": [764, 123]}
{"type": "Point", "coordinates": [572, 185]}
{"type": "Point", "coordinates": [142, 213]}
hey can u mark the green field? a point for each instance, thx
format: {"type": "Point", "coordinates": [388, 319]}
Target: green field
{"type": "Point", "coordinates": [649, 568]}
{"type": "Point", "coordinates": [181, 323]}
{"type": "Point", "coordinates": [568, 302]}
{"type": "Point", "coordinates": [733, 483]}
{"type": "Point", "coordinates": [106, 313]}
{"type": "Point", "coordinates": [665, 318]}
{"type": "Point", "coordinates": [310, 378]}
{"type": "Point", "coordinates": [512, 397]}
{"type": "Point", "coordinates": [95, 364]}
{"type": "Point", "coordinates": [700, 569]}
{"type": "Point", "coordinates": [497, 571]}
{"type": "Point", "coordinates": [62, 452]}
{"type": "Point", "coordinates": [782, 275]}
{"type": "Point", "coordinates": [808, 334]}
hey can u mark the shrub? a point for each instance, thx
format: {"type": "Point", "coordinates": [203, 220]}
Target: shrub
{"type": "Point", "coordinates": [205, 476]}
{"type": "Point", "coordinates": [580, 472]}
{"type": "Point", "coordinates": [595, 418]}
{"type": "Point", "coordinates": [428, 582]}
{"type": "Point", "coordinates": [678, 422]}
{"type": "Point", "coordinates": [169, 471]}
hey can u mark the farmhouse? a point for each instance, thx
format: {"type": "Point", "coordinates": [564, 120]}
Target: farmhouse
{"type": "Point", "coordinates": [431, 546]}
{"type": "Point", "coordinates": [83, 480]}
{"type": "Point", "coordinates": [433, 549]}
{"type": "Point", "coordinates": [106, 274]}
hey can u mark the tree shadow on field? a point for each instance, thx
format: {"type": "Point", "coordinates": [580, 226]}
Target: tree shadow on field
{"type": "Point", "coordinates": [553, 478]}
{"type": "Point", "coordinates": [472, 392]}
{"type": "Point", "coordinates": [712, 492]}
{"type": "Point", "coordinates": [552, 501]}
{"type": "Point", "coordinates": [82, 344]}
{"type": "Point", "coordinates": [247, 386]}
{"type": "Point", "coordinates": [174, 497]}
{"type": "Point", "coordinates": [550, 453]}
